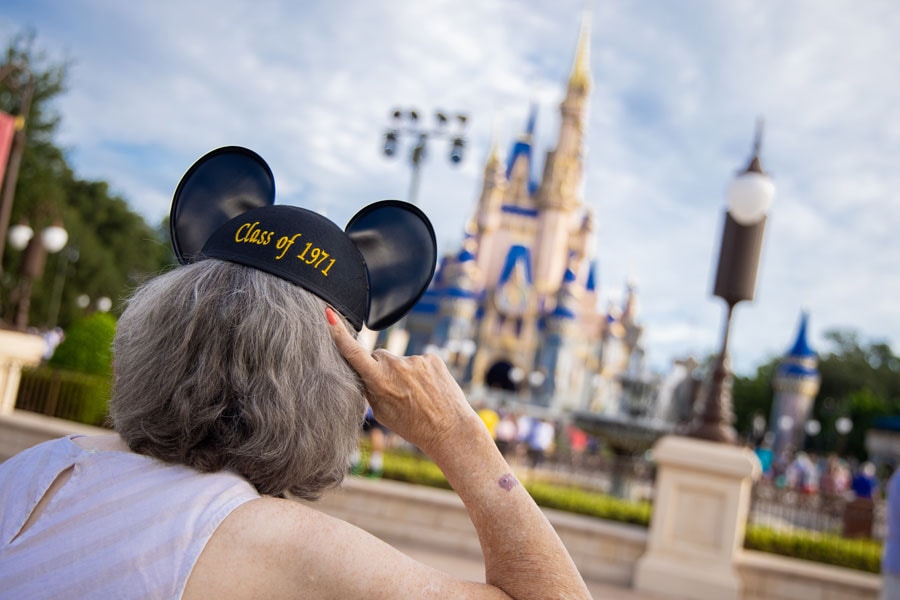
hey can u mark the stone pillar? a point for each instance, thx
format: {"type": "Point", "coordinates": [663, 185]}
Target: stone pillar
{"type": "Point", "coordinates": [699, 518]}
{"type": "Point", "coordinates": [17, 350]}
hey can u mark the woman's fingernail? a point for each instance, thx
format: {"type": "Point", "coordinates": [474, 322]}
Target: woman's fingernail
{"type": "Point", "coordinates": [331, 316]}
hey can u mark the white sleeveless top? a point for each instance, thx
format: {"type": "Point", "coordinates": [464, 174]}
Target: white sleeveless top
{"type": "Point", "coordinates": [123, 526]}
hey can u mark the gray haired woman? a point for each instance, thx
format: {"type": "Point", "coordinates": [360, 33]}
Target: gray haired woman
{"type": "Point", "coordinates": [238, 387]}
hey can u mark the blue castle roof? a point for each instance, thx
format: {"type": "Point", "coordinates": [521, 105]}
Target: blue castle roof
{"type": "Point", "coordinates": [801, 348]}
{"type": "Point", "coordinates": [517, 253]}
{"type": "Point", "coordinates": [800, 360]}
{"type": "Point", "coordinates": [561, 312]}
{"type": "Point", "coordinates": [591, 285]}
{"type": "Point", "coordinates": [522, 147]}
{"type": "Point", "coordinates": [519, 210]}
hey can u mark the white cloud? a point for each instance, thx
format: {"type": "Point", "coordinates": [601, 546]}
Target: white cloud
{"type": "Point", "coordinates": [676, 90]}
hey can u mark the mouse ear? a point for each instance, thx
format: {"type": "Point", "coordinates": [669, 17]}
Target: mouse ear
{"type": "Point", "coordinates": [219, 186]}
{"type": "Point", "coordinates": [398, 245]}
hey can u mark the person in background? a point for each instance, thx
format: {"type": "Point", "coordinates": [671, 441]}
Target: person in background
{"type": "Point", "coordinates": [835, 480]}
{"type": "Point", "coordinates": [490, 418]}
{"type": "Point", "coordinates": [864, 483]}
{"type": "Point", "coordinates": [540, 441]}
{"type": "Point", "coordinates": [578, 441]}
{"type": "Point", "coordinates": [890, 558]}
{"type": "Point", "coordinates": [505, 434]}
{"type": "Point", "coordinates": [765, 455]}
{"type": "Point", "coordinates": [802, 474]}
{"type": "Point", "coordinates": [859, 512]}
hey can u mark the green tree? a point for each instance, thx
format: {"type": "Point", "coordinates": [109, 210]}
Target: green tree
{"type": "Point", "coordinates": [28, 85]}
{"type": "Point", "coordinates": [87, 347]}
{"type": "Point", "coordinates": [859, 380]}
{"type": "Point", "coordinates": [111, 249]}
{"type": "Point", "coordinates": [752, 397]}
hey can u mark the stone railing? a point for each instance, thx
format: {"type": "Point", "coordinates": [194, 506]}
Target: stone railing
{"type": "Point", "coordinates": [17, 350]}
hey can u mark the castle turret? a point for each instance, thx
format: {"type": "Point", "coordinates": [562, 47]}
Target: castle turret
{"type": "Point", "coordinates": [558, 197]}
{"type": "Point", "coordinates": [520, 185]}
{"type": "Point", "coordinates": [796, 385]}
{"type": "Point", "coordinates": [487, 218]}
{"type": "Point", "coordinates": [558, 355]}
{"type": "Point", "coordinates": [493, 185]}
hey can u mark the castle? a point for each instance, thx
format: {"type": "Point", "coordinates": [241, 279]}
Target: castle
{"type": "Point", "coordinates": [516, 307]}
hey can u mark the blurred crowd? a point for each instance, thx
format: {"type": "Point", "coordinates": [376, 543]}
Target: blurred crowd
{"type": "Point", "coordinates": [526, 439]}
{"type": "Point", "coordinates": [831, 475]}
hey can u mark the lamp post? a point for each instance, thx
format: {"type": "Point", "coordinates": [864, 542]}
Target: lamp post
{"type": "Point", "coordinates": [536, 381]}
{"type": "Point", "coordinates": [843, 425]}
{"type": "Point", "coordinates": [104, 304]}
{"type": "Point", "coordinates": [69, 256]}
{"type": "Point", "coordinates": [406, 123]}
{"type": "Point", "coordinates": [50, 240]}
{"type": "Point", "coordinates": [812, 429]}
{"type": "Point", "coordinates": [749, 197]}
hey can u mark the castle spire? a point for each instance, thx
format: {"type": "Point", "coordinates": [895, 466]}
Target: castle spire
{"type": "Point", "coordinates": [523, 145]}
{"type": "Point", "coordinates": [558, 198]}
{"type": "Point", "coordinates": [493, 154]}
{"type": "Point", "coordinates": [801, 348]}
{"type": "Point", "coordinates": [580, 78]}
{"type": "Point", "coordinates": [532, 120]}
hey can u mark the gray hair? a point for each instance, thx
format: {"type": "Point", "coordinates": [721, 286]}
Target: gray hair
{"type": "Point", "coordinates": [221, 366]}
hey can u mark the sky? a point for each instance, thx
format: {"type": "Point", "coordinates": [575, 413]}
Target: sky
{"type": "Point", "coordinates": [677, 90]}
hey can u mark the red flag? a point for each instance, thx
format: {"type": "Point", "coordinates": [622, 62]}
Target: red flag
{"type": "Point", "coordinates": [7, 131]}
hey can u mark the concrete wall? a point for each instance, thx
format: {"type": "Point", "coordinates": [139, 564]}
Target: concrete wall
{"type": "Point", "coordinates": [604, 551]}
{"type": "Point", "coordinates": [770, 577]}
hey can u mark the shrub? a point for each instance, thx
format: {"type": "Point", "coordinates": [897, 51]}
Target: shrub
{"type": "Point", "coordinates": [87, 347]}
{"type": "Point", "coordinates": [592, 504]}
{"type": "Point", "coordinates": [412, 469]}
{"type": "Point", "coordinates": [860, 554]}
{"type": "Point", "coordinates": [77, 384]}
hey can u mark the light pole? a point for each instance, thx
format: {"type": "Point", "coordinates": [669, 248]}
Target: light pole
{"type": "Point", "coordinates": [406, 123]}
{"type": "Point", "coordinates": [812, 428]}
{"type": "Point", "coordinates": [69, 256]}
{"type": "Point", "coordinates": [50, 240]}
{"type": "Point", "coordinates": [843, 425]}
{"type": "Point", "coordinates": [749, 197]}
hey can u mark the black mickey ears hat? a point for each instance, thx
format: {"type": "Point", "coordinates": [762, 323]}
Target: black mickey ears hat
{"type": "Point", "coordinates": [372, 272]}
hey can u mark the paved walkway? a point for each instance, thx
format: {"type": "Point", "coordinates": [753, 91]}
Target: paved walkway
{"type": "Point", "coordinates": [466, 567]}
